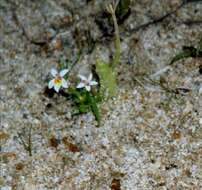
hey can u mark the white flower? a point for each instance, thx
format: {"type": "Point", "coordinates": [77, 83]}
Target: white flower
{"type": "Point", "coordinates": [58, 80]}
{"type": "Point", "coordinates": [86, 82]}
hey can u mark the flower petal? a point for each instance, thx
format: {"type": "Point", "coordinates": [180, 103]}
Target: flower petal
{"type": "Point", "coordinates": [82, 77]}
{"type": "Point", "coordinates": [57, 87]}
{"type": "Point", "coordinates": [64, 72]}
{"type": "Point", "coordinates": [93, 83]}
{"type": "Point", "coordinates": [51, 84]}
{"type": "Point", "coordinates": [88, 88]}
{"type": "Point", "coordinates": [64, 83]}
{"type": "Point", "coordinates": [54, 72]}
{"type": "Point", "coordinates": [90, 77]}
{"type": "Point", "coordinates": [80, 85]}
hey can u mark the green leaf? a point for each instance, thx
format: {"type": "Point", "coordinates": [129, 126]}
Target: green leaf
{"type": "Point", "coordinates": [83, 108]}
{"type": "Point", "coordinates": [180, 56]}
{"type": "Point", "coordinates": [85, 102]}
{"type": "Point", "coordinates": [94, 107]}
{"type": "Point", "coordinates": [107, 78]}
{"type": "Point", "coordinates": [122, 9]}
{"type": "Point", "coordinates": [186, 53]}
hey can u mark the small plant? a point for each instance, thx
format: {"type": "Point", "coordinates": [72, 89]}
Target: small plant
{"type": "Point", "coordinates": [85, 101]}
{"type": "Point", "coordinates": [106, 71]}
{"type": "Point", "coordinates": [85, 98]}
{"type": "Point", "coordinates": [81, 95]}
{"type": "Point", "coordinates": [188, 51]}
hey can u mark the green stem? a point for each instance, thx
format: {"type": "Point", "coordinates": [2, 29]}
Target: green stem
{"type": "Point", "coordinates": [117, 55]}
{"type": "Point", "coordinates": [94, 107]}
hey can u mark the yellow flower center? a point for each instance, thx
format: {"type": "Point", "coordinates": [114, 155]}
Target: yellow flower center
{"type": "Point", "coordinates": [58, 80]}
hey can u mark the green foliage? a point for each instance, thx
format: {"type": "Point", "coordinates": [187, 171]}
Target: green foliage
{"type": "Point", "coordinates": [88, 101]}
{"type": "Point", "coordinates": [107, 79]}
{"type": "Point", "coordinates": [122, 9]}
{"type": "Point", "coordinates": [188, 51]}
{"type": "Point", "coordinates": [85, 102]}
{"type": "Point", "coordinates": [181, 55]}
{"type": "Point", "coordinates": [94, 107]}
{"type": "Point", "coordinates": [106, 72]}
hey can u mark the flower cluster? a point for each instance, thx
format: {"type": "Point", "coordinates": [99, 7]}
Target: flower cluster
{"type": "Point", "coordinates": [59, 81]}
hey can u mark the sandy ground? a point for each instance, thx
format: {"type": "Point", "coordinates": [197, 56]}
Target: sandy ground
{"type": "Point", "coordinates": [149, 138]}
